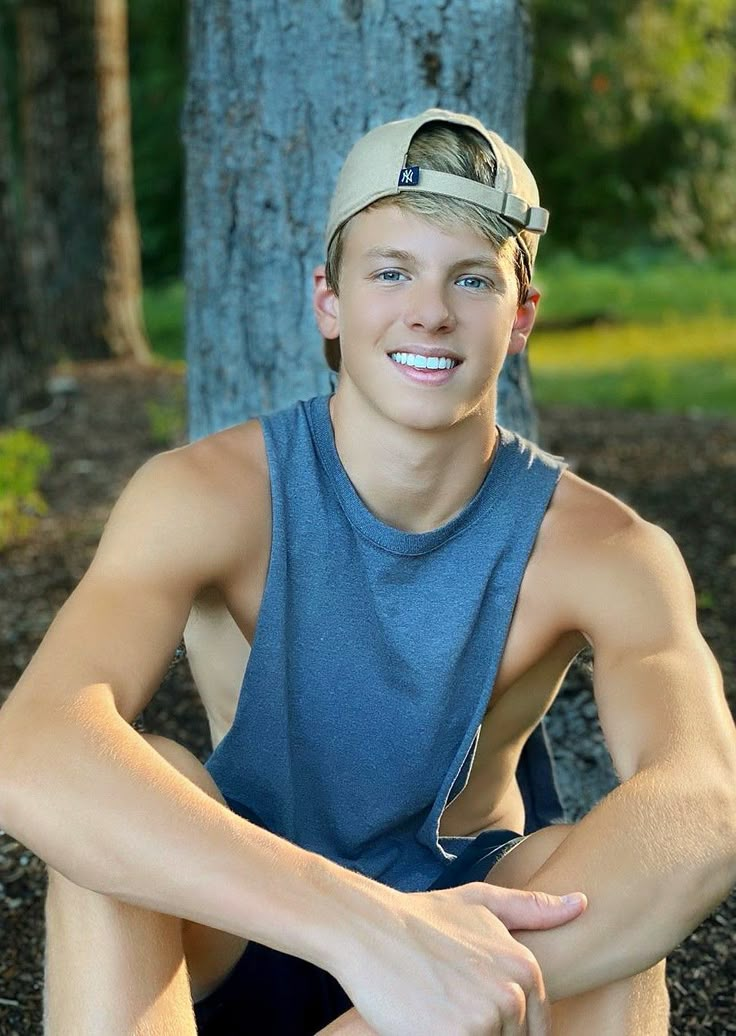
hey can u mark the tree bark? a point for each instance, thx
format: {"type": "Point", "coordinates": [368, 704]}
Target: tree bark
{"type": "Point", "coordinates": [81, 229]}
{"type": "Point", "coordinates": [124, 330]}
{"type": "Point", "coordinates": [277, 94]}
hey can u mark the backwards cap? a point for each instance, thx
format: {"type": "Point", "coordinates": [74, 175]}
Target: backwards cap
{"type": "Point", "coordinates": [376, 168]}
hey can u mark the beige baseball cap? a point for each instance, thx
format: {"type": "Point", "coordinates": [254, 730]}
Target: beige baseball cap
{"type": "Point", "coordinates": [376, 168]}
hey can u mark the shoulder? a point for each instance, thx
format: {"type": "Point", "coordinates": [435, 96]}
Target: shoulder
{"type": "Point", "coordinates": [620, 578]}
{"type": "Point", "coordinates": [205, 501]}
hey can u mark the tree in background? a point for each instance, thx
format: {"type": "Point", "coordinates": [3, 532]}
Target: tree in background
{"type": "Point", "coordinates": [81, 233]}
{"type": "Point", "coordinates": [632, 125]}
{"type": "Point", "coordinates": [22, 366]}
{"type": "Point", "coordinates": [276, 96]}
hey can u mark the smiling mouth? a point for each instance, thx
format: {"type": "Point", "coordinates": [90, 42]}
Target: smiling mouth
{"type": "Point", "coordinates": [419, 362]}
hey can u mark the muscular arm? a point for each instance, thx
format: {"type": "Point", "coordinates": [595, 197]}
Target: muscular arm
{"type": "Point", "coordinates": [658, 853]}
{"type": "Point", "coordinates": [86, 793]}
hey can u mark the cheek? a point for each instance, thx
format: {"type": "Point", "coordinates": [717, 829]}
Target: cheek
{"type": "Point", "coordinates": [368, 313]}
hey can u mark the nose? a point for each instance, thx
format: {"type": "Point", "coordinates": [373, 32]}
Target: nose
{"type": "Point", "coordinates": [428, 309]}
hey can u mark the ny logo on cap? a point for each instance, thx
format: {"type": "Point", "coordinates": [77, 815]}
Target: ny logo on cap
{"type": "Point", "coordinates": [409, 176]}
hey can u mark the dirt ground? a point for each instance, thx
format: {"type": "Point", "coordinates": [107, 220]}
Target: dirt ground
{"type": "Point", "coordinates": [677, 471]}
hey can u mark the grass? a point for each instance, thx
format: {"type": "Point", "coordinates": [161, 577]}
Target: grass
{"type": "Point", "coordinates": [650, 290]}
{"type": "Point", "coordinates": [665, 336]}
{"type": "Point", "coordinates": [685, 388]}
{"type": "Point", "coordinates": [163, 310]}
{"type": "Point", "coordinates": [665, 340]}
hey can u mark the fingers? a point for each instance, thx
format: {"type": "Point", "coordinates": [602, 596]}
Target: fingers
{"type": "Point", "coordinates": [538, 1015]}
{"type": "Point", "coordinates": [520, 909]}
{"type": "Point", "coordinates": [524, 1002]}
{"type": "Point", "coordinates": [514, 1010]}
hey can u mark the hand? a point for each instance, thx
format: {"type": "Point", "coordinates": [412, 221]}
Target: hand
{"type": "Point", "coordinates": [445, 962]}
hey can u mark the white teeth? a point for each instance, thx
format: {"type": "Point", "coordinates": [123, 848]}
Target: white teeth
{"type": "Point", "coordinates": [422, 362]}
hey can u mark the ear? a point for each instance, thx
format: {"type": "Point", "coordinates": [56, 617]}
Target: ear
{"type": "Point", "coordinates": [526, 314]}
{"type": "Point", "coordinates": [325, 305]}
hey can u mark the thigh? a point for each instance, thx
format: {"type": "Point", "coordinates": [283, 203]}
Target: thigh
{"type": "Point", "coordinates": [519, 864]}
{"type": "Point", "coordinates": [210, 954]}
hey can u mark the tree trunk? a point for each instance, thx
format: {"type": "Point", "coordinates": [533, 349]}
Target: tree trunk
{"type": "Point", "coordinates": [22, 367]}
{"type": "Point", "coordinates": [277, 94]}
{"type": "Point", "coordinates": [123, 283]}
{"type": "Point", "coordinates": [81, 229]}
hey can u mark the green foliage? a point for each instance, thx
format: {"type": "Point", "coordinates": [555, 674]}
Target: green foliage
{"type": "Point", "coordinates": [163, 308]}
{"type": "Point", "coordinates": [630, 125]}
{"type": "Point", "coordinates": [641, 286]}
{"type": "Point", "coordinates": [676, 57]}
{"type": "Point", "coordinates": [157, 78]}
{"type": "Point", "coordinates": [167, 420]}
{"type": "Point", "coordinates": [23, 458]}
{"type": "Point", "coordinates": [708, 387]}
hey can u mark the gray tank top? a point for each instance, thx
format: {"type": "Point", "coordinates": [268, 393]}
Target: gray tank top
{"type": "Point", "coordinates": [374, 657]}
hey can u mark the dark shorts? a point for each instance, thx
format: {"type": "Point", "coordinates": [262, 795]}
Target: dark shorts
{"type": "Point", "coordinates": [274, 994]}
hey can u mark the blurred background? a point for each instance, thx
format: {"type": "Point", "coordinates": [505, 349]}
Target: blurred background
{"type": "Point", "coordinates": [631, 133]}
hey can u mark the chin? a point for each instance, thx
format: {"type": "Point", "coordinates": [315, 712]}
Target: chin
{"type": "Point", "coordinates": [423, 415]}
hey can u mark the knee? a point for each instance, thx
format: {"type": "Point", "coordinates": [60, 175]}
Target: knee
{"type": "Point", "coordinates": [185, 762]}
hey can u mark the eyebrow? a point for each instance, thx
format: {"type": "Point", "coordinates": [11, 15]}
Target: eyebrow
{"type": "Point", "coordinates": [398, 254]}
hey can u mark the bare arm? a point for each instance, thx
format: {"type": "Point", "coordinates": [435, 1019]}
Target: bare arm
{"type": "Point", "coordinates": [85, 792]}
{"type": "Point", "coordinates": [659, 853]}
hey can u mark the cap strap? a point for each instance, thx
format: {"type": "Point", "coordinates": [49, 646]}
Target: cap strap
{"type": "Point", "coordinates": [513, 209]}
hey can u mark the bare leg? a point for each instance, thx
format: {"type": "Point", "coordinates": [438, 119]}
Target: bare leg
{"type": "Point", "coordinates": [112, 967]}
{"type": "Point", "coordinates": [637, 1006]}
{"type": "Point", "coordinates": [122, 970]}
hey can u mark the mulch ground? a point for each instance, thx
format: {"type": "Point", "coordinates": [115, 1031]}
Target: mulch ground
{"type": "Point", "coordinates": [678, 471]}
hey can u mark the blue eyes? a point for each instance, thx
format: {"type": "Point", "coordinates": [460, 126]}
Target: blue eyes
{"type": "Point", "coordinates": [479, 282]}
{"type": "Point", "coordinates": [394, 277]}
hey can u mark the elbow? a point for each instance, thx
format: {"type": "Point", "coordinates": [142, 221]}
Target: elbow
{"type": "Point", "coordinates": [12, 778]}
{"type": "Point", "coordinates": [28, 742]}
{"type": "Point", "coordinates": [9, 784]}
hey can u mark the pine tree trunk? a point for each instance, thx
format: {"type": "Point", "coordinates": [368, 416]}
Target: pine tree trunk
{"type": "Point", "coordinates": [81, 229]}
{"type": "Point", "coordinates": [277, 94]}
{"type": "Point", "coordinates": [22, 366]}
{"type": "Point", "coordinates": [123, 282]}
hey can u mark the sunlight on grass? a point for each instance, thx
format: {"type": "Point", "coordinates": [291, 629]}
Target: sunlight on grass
{"type": "Point", "coordinates": [706, 388]}
{"type": "Point", "coordinates": [684, 366]}
{"type": "Point", "coordinates": [614, 345]}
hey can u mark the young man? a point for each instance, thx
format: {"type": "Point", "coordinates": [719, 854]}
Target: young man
{"type": "Point", "coordinates": [412, 582]}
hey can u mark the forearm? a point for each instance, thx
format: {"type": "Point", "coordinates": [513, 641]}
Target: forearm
{"type": "Point", "coordinates": [654, 857]}
{"type": "Point", "coordinates": [99, 805]}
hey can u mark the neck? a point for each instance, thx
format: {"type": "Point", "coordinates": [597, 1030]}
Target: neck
{"type": "Point", "coordinates": [412, 479]}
